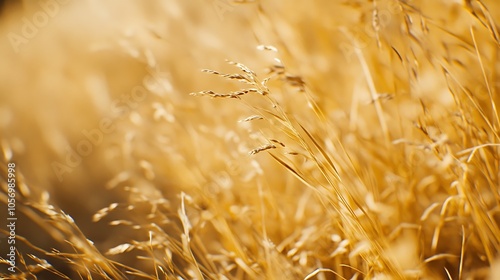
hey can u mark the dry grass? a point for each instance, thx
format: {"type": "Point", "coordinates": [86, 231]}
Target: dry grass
{"type": "Point", "coordinates": [349, 140]}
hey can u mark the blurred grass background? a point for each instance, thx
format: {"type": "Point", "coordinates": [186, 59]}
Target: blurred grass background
{"type": "Point", "coordinates": [398, 153]}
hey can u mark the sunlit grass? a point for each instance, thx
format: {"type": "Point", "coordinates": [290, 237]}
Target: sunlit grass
{"type": "Point", "coordinates": [256, 140]}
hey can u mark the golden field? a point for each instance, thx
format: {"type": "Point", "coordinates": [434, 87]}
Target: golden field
{"type": "Point", "coordinates": [219, 139]}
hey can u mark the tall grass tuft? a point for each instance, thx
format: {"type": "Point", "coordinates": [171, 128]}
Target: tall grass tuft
{"type": "Point", "coordinates": [321, 140]}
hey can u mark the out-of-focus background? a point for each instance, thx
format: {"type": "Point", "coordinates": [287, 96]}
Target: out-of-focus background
{"type": "Point", "coordinates": [96, 112]}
